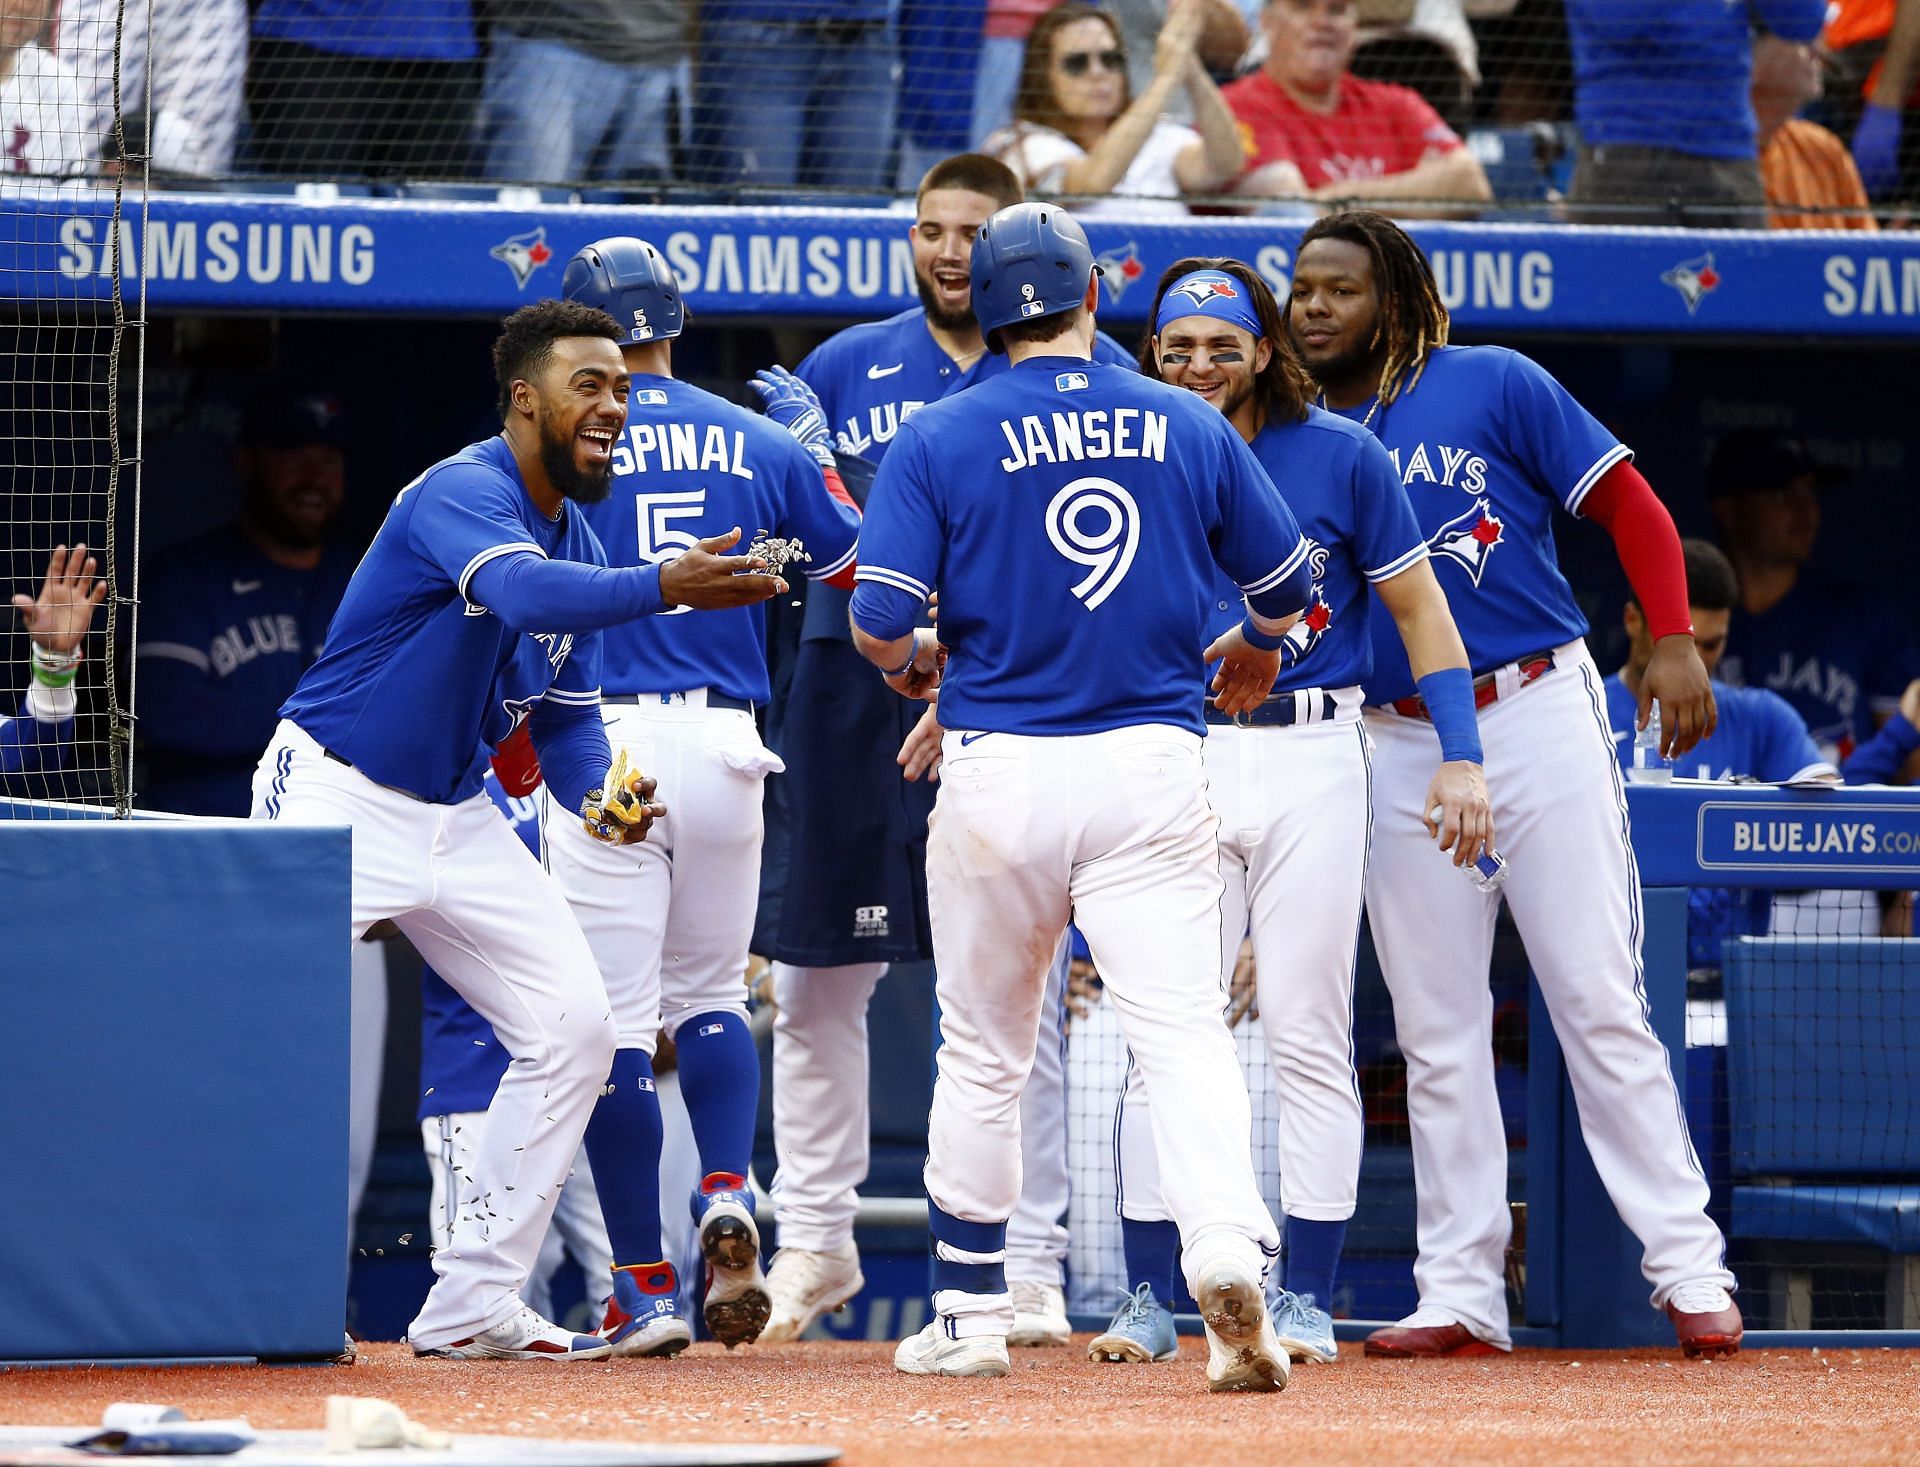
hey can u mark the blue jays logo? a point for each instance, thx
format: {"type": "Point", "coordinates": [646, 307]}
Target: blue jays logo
{"type": "Point", "coordinates": [523, 254]}
{"type": "Point", "coordinates": [1469, 538]}
{"type": "Point", "coordinates": [1120, 268]}
{"type": "Point", "coordinates": [1695, 279]}
{"type": "Point", "coordinates": [1204, 290]}
{"type": "Point", "coordinates": [518, 710]}
{"type": "Point", "coordinates": [1305, 634]}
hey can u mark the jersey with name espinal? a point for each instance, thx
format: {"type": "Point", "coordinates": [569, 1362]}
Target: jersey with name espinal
{"type": "Point", "coordinates": [1072, 516]}
{"type": "Point", "coordinates": [689, 466]}
{"type": "Point", "coordinates": [1487, 445]}
{"type": "Point", "coordinates": [419, 684]}
{"type": "Point", "coordinates": [1341, 487]}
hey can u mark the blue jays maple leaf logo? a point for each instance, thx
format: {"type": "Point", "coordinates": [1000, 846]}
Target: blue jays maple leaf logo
{"type": "Point", "coordinates": [523, 254]}
{"type": "Point", "coordinates": [1120, 268]}
{"type": "Point", "coordinates": [1469, 538]}
{"type": "Point", "coordinates": [1206, 289]}
{"type": "Point", "coordinates": [1305, 634]}
{"type": "Point", "coordinates": [1695, 279]}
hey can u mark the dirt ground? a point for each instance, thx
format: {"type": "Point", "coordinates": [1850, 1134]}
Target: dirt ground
{"type": "Point", "coordinates": [1771, 1406]}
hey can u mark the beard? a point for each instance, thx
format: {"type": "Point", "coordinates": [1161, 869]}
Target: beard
{"type": "Point", "coordinates": [582, 486]}
{"type": "Point", "coordinates": [945, 317]}
{"type": "Point", "coordinates": [1235, 397]}
{"type": "Point", "coordinates": [273, 520]}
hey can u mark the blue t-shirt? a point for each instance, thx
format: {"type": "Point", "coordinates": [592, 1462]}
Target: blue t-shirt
{"type": "Point", "coordinates": [691, 465]}
{"type": "Point", "coordinates": [1487, 444]}
{"type": "Point", "coordinates": [1071, 515]}
{"type": "Point", "coordinates": [418, 685]}
{"type": "Point", "coordinates": [870, 378]}
{"type": "Point", "coordinates": [399, 30]}
{"type": "Point", "coordinates": [1341, 487]}
{"type": "Point", "coordinates": [460, 1060]}
{"type": "Point", "coordinates": [1674, 74]}
{"type": "Point", "coordinates": [225, 633]}
{"type": "Point", "coordinates": [1831, 651]}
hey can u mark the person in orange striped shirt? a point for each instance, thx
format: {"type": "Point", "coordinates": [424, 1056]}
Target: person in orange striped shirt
{"type": "Point", "coordinates": [1807, 170]}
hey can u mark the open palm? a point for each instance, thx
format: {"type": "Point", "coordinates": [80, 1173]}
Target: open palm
{"type": "Point", "coordinates": [58, 618]}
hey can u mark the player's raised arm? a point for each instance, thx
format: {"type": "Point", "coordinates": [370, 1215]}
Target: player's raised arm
{"type": "Point", "coordinates": [827, 524]}
{"type": "Point", "coordinates": [57, 620]}
{"type": "Point", "coordinates": [898, 571]}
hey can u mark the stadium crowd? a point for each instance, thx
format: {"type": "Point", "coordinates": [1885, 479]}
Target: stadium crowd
{"type": "Point", "coordinates": [1632, 111]}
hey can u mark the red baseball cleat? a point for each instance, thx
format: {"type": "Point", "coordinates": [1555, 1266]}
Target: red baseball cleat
{"type": "Point", "coordinates": [1407, 1341]}
{"type": "Point", "coordinates": [1705, 1319]}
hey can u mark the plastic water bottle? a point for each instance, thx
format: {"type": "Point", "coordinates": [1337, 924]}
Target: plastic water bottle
{"type": "Point", "coordinates": [1489, 870]}
{"type": "Point", "coordinates": [1649, 765]}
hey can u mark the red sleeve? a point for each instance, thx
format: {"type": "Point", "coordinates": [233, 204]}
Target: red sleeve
{"type": "Point", "coordinates": [1624, 505]}
{"type": "Point", "coordinates": [515, 764]}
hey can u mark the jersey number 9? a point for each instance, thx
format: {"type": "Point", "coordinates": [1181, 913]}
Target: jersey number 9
{"type": "Point", "coordinates": [1094, 522]}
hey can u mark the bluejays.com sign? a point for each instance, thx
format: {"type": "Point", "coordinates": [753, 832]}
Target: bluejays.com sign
{"type": "Point", "coordinates": [1822, 838]}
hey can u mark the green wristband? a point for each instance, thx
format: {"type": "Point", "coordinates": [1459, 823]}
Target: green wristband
{"type": "Point", "coordinates": [55, 671]}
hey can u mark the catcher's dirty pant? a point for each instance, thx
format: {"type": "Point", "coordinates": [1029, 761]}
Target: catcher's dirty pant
{"type": "Point", "coordinates": [459, 884]}
{"type": "Point", "coordinates": [1112, 831]}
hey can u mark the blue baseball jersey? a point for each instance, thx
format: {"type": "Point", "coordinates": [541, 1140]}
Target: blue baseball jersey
{"type": "Point", "coordinates": [1071, 515]}
{"type": "Point", "coordinates": [1758, 737]}
{"type": "Point", "coordinates": [30, 745]}
{"type": "Point", "coordinates": [1831, 651]}
{"type": "Point", "coordinates": [1341, 487]}
{"type": "Point", "coordinates": [418, 684]}
{"type": "Point", "coordinates": [225, 633]}
{"type": "Point", "coordinates": [689, 466]}
{"type": "Point", "coordinates": [460, 1060]}
{"type": "Point", "coordinates": [1487, 445]}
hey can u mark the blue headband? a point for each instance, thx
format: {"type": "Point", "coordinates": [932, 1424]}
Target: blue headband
{"type": "Point", "coordinates": [1209, 293]}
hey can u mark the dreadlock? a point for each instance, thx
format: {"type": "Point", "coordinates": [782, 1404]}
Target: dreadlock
{"type": "Point", "coordinates": [1413, 318]}
{"type": "Point", "coordinates": [1283, 387]}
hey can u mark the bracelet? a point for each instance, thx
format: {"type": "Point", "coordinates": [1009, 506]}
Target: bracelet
{"type": "Point", "coordinates": [55, 670]}
{"type": "Point", "coordinates": [912, 657]}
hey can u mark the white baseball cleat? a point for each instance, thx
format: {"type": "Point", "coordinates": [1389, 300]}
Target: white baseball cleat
{"type": "Point", "coordinates": [737, 1304]}
{"type": "Point", "coordinates": [931, 1353]}
{"type": "Point", "coordinates": [1243, 1353]}
{"type": "Point", "coordinates": [1039, 1314]}
{"type": "Point", "coordinates": [803, 1285]}
{"type": "Point", "coordinates": [523, 1335]}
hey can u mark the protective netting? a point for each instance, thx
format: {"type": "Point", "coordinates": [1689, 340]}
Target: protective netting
{"type": "Point", "coordinates": [69, 406]}
{"type": "Point", "coordinates": [1626, 110]}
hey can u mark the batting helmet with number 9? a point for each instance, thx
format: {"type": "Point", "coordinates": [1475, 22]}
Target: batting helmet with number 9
{"type": "Point", "coordinates": [1029, 260]}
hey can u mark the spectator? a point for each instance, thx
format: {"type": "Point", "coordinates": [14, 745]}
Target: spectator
{"type": "Point", "coordinates": [1825, 646]}
{"type": "Point", "coordinates": [1423, 44]}
{"type": "Point", "coordinates": [364, 87]}
{"type": "Point", "coordinates": [1319, 130]}
{"type": "Point", "coordinates": [182, 62]}
{"type": "Point", "coordinates": [584, 90]}
{"type": "Point", "coordinates": [1660, 93]}
{"type": "Point", "coordinates": [940, 44]}
{"type": "Point", "coordinates": [1874, 49]}
{"type": "Point", "coordinates": [43, 121]}
{"type": "Point", "coordinates": [796, 92]}
{"type": "Point", "coordinates": [1078, 131]}
{"type": "Point", "coordinates": [1003, 47]}
{"type": "Point", "coordinates": [1809, 175]}
{"type": "Point", "coordinates": [230, 619]}
{"type": "Point", "coordinates": [57, 621]}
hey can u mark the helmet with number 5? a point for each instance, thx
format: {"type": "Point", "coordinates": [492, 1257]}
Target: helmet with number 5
{"type": "Point", "coordinates": [1029, 260]}
{"type": "Point", "coordinates": [633, 283]}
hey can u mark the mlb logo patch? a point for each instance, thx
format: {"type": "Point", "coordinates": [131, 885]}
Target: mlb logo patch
{"type": "Point", "coordinates": [1032, 308]}
{"type": "Point", "coordinates": [1071, 382]}
{"type": "Point", "coordinates": [650, 397]}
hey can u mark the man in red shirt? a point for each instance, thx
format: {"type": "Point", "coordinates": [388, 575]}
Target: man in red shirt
{"type": "Point", "coordinates": [1315, 130]}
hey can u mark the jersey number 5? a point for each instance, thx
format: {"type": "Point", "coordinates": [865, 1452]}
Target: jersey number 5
{"type": "Point", "coordinates": [1106, 545]}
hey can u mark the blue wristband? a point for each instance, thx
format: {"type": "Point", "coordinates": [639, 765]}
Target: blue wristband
{"type": "Point", "coordinates": [1257, 638]}
{"type": "Point", "coordinates": [1448, 694]}
{"type": "Point", "coordinates": [912, 656]}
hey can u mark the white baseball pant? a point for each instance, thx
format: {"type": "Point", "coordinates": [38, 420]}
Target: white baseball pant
{"type": "Point", "coordinates": [669, 919]}
{"type": "Point", "coordinates": [822, 1126]}
{"type": "Point", "coordinates": [1294, 806]}
{"type": "Point", "coordinates": [1560, 819]}
{"type": "Point", "coordinates": [366, 1063]}
{"type": "Point", "coordinates": [187, 71]}
{"type": "Point", "coordinates": [1113, 831]}
{"type": "Point", "coordinates": [476, 905]}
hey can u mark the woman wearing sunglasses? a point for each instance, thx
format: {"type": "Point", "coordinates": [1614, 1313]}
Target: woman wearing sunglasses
{"type": "Point", "coordinates": [1077, 131]}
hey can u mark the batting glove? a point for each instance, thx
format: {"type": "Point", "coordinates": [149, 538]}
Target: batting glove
{"type": "Point", "coordinates": [1876, 148]}
{"type": "Point", "coordinates": [793, 405]}
{"type": "Point", "coordinates": [620, 813]}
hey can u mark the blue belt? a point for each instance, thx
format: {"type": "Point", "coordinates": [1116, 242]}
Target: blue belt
{"type": "Point", "coordinates": [641, 700]}
{"type": "Point", "coordinates": [1279, 711]}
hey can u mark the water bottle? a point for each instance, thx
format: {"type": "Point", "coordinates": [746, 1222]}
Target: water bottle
{"type": "Point", "coordinates": [1649, 765]}
{"type": "Point", "coordinates": [1489, 869]}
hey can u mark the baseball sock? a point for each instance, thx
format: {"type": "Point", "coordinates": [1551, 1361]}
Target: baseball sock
{"type": "Point", "coordinates": [969, 1265]}
{"type": "Point", "coordinates": [720, 1082]}
{"type": "Point", "coordinates": [1152, 1250]}
{"type": "Point", "coordinates": [623, 1147]}
{"type": "Point", "coordinates": [1313, 1253]}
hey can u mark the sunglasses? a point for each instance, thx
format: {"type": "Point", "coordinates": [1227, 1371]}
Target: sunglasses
{"type": "Point", "coordinates": [1079, 63]}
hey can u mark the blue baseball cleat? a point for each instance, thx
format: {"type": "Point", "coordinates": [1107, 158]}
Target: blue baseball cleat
{"type": "Point", "coordinates": [643, 1316]}
{"type": "Point", "coordinates": [1141, 1332]}
{"type": "Point", "coordinates": [738, 1303]}
{"type": "Point", "coordinates": [1304, 1328]}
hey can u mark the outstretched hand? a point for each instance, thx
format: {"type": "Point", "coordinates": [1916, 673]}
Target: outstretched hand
{"type": "Point", "coordinates": [57, 619]}
{"type": "Point", "coordinates": [796, 407]}
{"type": "Point", "coordinates": [708, 579]}
{"type": "Point", "coordinates": [1246, 673]}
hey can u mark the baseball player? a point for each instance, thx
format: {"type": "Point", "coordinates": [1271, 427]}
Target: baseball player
{"type": "Point", "coordinates": [1070, 516]}
{"type": "Point", "coordinates": [1487, 445]}
{"type": "Point", "coordinates": [1291, 785]}
{"type": "Point", "coordinates": [669, 921]}
{"type": "Point", "coordinates": [854, 900]}
{"type": "Point", "coordinates": [45, 126]}
{"type": "Point", "coordinates": [477, 608]}
{"type": "Point", "coordinates": [56, 620]}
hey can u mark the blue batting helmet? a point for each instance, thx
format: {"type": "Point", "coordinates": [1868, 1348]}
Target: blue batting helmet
{"type": "Point", "coordinates": [633, 283]}
{"type": "Point", "coordinates": [1029, 260]}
